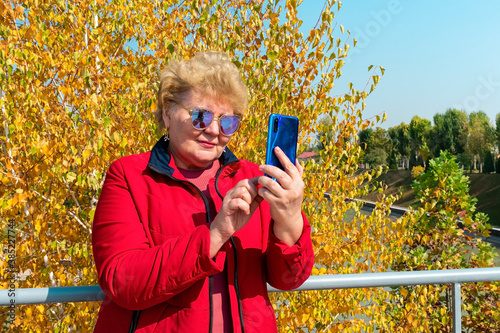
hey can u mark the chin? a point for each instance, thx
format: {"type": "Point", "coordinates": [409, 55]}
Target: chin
{"type": "Point", "coordinates": [204, 162]}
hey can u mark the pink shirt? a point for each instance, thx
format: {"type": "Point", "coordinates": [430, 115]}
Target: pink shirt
{"type": "Point", "coordinates": [222, 321]}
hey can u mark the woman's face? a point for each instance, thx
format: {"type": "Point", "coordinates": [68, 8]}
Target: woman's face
{"type": "Point", "coordinates": [192, 148]}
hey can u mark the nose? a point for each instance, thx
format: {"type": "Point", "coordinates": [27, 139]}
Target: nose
{"type": "Point", "coordinates": [213, 128]}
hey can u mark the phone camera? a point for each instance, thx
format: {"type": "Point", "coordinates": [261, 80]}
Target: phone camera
{"type": "Point", "coordinates": [275, 125]}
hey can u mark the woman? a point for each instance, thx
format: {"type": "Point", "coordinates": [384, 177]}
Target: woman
{"type": "Point", "coordinates": [186, 236]}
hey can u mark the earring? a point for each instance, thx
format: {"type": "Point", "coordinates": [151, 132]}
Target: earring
{"type": "Point", "coordinates": [166, 136]}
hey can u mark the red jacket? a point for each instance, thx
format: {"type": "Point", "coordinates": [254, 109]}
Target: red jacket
{"type": "Point", "coordinates": [151, 248]}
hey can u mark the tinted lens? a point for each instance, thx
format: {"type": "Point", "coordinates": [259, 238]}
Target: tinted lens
{"type": "Point", "coordinates": [201, 118]}
{"type": "Point", "coordinates": [229, 124]}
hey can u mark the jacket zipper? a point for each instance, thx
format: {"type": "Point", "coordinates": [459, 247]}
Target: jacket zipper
{"type": "Point", "coordinates": [207, 216]}
{"type": "Point", "coordinates": [135, 320]}
{"type": "Point", "coordinates": [207, 211]}
{"type": "Point", "coordinates": [236, 284]}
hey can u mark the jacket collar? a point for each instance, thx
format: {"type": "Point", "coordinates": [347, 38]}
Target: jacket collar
{"type": "Point", "coordinates": [161, 160]}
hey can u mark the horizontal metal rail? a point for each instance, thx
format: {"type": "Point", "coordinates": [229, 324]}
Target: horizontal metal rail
{"type": "Point", "coordinates": [14, 297]}
{"type": "Point", "coordinates": [23, 296]}
{"type": "Point", "coordinates": [393, 279]}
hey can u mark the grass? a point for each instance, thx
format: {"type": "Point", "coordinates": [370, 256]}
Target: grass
{"type": "Point", "coordinates": [484, 187]}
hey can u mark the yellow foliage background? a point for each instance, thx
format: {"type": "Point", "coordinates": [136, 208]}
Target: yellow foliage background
{"type": "Point", "coordinates": [78, 84]}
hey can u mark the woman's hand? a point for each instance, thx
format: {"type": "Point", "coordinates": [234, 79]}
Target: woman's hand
{"type": "Point", "coordinates": [237, 208]}
{"type": "Point", "coordinates": [285, 197]}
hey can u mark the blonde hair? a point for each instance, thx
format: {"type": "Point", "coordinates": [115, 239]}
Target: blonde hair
{"type": "Point", "coordinates": [209, 72]}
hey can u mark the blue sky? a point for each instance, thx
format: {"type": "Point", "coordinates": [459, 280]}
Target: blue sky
{"type": "Point", "coordinates": [437, 54]}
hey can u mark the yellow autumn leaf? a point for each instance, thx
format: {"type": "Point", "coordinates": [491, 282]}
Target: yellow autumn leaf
{"type": "Point", "coordinates": [28, 313]}
{"type": "Point", "coordinates": [86, 154]}
{"type": "Point", "coordinates": [404, 292]}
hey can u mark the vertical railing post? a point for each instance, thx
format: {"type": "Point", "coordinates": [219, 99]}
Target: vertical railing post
{"type": "Point", "coordinates": [457, 308]}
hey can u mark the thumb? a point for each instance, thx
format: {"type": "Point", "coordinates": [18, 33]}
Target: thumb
{"type": "Point", "coordinates": [255, 203]}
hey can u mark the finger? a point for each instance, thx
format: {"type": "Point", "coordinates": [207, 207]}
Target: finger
{"type": "Point", "coordinates": [270, 170]}
{"type": "Point", "coordinates": [279, 176]}
{"type": "Point", "coordinates": [255, 203]}
{"type": "Point", "coordinates": [271, 186]}
{"type": "Point", "coordinates": [239, 204]}
{"type": "Point", "coordinates": [244, 193]}
{"type": "Point", "coordinates": [245, 196]}
{"type": "Point", "coordinates": [245, 189]}
{"type": "Point", "coordinates": [253, 183]}
{"type": "Point", "coordinates": [267, 195]}
{"type": "Point", "coordinates": [300, 168]}
{"type": "Point", "coordinates": [248, 189]}
{"type": "Point", "coordinates": [288, 165]}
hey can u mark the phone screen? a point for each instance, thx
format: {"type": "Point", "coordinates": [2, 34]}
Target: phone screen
{"type": "Point", "coordinates": [282, 132]}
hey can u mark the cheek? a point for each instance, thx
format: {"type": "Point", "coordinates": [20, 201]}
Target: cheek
{"type": "Point", "coordinates": [224, 140]}
{"type": "Point", "coordinates": [184, 130]}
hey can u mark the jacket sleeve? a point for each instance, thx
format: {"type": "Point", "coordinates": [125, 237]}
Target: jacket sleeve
{"type": "Point", "coordinates": [289, 266]}
{"type": "Point", "coordinates": [132, 272]}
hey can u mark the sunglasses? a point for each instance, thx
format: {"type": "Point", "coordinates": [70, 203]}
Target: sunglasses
{"type": "Point", "coordinates": [202, 118]}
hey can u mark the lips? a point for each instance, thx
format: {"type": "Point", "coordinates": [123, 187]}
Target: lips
{"type": "Point", "coordinates": [207, 144]}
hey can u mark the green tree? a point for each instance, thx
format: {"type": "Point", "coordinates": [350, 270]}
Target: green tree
{"type": "Point", "coordinates": [379, 138]}
{"type": "Point", "coordinates": [497, 130]}
{"type": "Point", "coordinates": [400, 137]}
{"type": "Point", "coordinates": [363, 137]}
{"type": "Point", "coordinates": [439, 135]}
{"type": "Point", "coordinates": [457, 120]}
{"type": "Point", "coordinates": [489, 165]}
{"type": "Point", "coordinates": [419, 131]}
{"type": "Point", "coordinates": [419, 134]}
{"type": "Point", "coordinates": [378, 146]}
{"type": "Point", "coordinates": [376, 156]}
{"type": "Point", "coordinates": [466, 160]}
{"type": "Point", "coordinates": [392, 161]}
{"type": "Point", "coordinates": [478, 137]}
{"type": "Point", "coordinates": [434, 241]}
{"type": "Point", "coordinates": [445, 134]}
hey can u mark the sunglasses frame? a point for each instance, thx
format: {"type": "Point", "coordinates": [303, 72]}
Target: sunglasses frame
{"type": "Point", "coordinates": [219, 119]}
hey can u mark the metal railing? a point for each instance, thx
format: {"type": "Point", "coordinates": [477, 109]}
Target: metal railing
{"type": "Point", "coordinates": [317, 282]}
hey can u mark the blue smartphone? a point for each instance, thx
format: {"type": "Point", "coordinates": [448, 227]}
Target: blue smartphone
{"type": "Point", "coordinates": [282, 132]}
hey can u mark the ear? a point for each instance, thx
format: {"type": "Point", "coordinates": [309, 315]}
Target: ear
{"type": "Point", "coordinates": [166, 118]}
